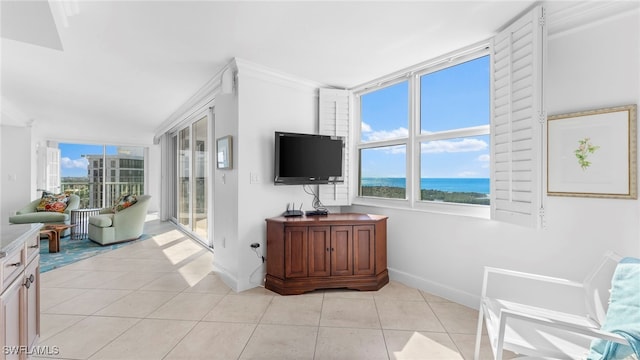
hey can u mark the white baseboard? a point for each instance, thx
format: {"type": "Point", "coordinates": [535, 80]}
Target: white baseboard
{"type": "Point", "coordinates": [226, 276]}
{"type": "Point", "coordinates": [447, 292]}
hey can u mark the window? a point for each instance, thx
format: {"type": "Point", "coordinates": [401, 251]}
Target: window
{"type": "Point", "coordinates": [193, 178]}
{"type": "Point", "coordinates": [382, 172]}
{"type": "Point", "coordinates": [454, 133]}
{"type": "Point", "coordinates": [426, 138]}
{"type": "Point", "coordinates": [82, 172]}
{"type": "Point", "coordinates": [384, 134]}
{"type": "Point", "coordinates": [385, 113]}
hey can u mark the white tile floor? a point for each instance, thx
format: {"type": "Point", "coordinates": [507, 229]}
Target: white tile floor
{"type": "Point", "coordinates": [159, 299]}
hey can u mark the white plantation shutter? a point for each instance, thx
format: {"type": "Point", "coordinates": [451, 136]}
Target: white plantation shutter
{"type": "Point", "coordinates": [518, 121]}
{"type": "Point", "coordinates": [53, 170]}
{"type": "Point", "coordinates": [333, 119]}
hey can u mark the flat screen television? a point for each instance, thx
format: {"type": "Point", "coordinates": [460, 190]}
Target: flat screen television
{"type": "Point", "coordinates": [307, 159]}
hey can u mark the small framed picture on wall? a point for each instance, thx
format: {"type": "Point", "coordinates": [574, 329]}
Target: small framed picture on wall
{"type": "Point", "coordinates": [224, 154]}
{"type": "Point", "coordinates": [593, 153]}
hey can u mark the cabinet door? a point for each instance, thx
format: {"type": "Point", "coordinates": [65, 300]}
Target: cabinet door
{"type": "Point", "coordinates": [10, 326]}
{"type": "Point", "coordinates": [295, 252]}
{"type": "Point", "coordinates": [32, 302]}
{"type": "Point", "coordinates": [364, 250]}
{"type": "Point", "coordinates": [319, 251]}
{"type": "Point", "coordinates": [341, 250]}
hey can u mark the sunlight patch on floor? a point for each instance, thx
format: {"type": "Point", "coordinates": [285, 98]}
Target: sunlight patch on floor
{"type": "Point", "coordinates": [168, 237]}
{"type": "Point", "coordinates": [421, 343]}
{"type": "Point", "coordinates": [181, 251]}
{"type": "Point", "coordinates": [192, 278]}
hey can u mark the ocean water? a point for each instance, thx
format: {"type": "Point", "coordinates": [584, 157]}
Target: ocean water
{"type": "Point", "coordinates": [478, 185]}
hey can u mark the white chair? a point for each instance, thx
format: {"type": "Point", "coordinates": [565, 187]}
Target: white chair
{"type": "Point", "coordinates": [545, 317]}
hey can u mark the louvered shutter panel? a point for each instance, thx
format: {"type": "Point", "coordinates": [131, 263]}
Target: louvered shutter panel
{"type": "Point", "coordinates": [333, 119]}
{"type": "Point", "coordinates": [52, 172]}
{"type": "Point", "coordinates": [518, 120]}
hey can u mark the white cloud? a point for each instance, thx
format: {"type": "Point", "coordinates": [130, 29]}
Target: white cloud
{"type": "Point", "coordinates": [385, 135]}
{"type": "Point", "coordinates": [468, 174]}
{"type": "Point", "coordinates": [365, 128]}
{"type": "Point", "coordinates": [67, 163]}
{"type": "Point", "coordinates": [484, 160]}
{"type": "Point", "coordinates": [450, 146]}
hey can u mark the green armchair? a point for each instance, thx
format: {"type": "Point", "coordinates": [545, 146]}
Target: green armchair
{"type": "Point", "coordinates": [29, 214]}
{"type": "Point", "coordinates": [113, 227]}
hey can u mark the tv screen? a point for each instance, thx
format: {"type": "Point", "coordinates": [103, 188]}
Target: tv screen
{"type": "Point", "coordinates": [307, 159]}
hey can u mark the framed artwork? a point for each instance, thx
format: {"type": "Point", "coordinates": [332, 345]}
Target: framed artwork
{"type": "Point", "coordinates": [593, 153]}
{"type": "Point", "coordinates": [224, 155]}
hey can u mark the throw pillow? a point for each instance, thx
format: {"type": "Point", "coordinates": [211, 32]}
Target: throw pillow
{"type": "Point", "coordinates": [124, 202]}
{"type": "Point", "coordinates": [53, 202]}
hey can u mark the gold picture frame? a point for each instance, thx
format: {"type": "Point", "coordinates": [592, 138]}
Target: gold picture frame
{"type": "Point", "coordinates": [224, 152]}
{"type": "Point", "coordinates": [593, 153]}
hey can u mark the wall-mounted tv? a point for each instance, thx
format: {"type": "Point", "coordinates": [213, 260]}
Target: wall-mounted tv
{"type": "Point", "coordinates": [307, 159]}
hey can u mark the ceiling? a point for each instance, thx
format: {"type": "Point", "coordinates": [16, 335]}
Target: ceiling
{"type": "Point", "coordinates": [131, 64]}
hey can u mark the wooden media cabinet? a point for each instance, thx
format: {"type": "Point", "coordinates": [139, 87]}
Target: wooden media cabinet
{"type": "Point", "coordinates": [328, 251]}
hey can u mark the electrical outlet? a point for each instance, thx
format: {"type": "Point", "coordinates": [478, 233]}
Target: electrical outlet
{"type": "Point", "coordinates": [254, 178]}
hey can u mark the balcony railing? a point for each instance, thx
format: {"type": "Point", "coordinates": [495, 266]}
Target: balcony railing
{"type": "Point", "coordinates": [99, 195]}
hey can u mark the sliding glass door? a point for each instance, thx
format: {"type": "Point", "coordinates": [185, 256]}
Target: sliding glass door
{"type": "Point", "coordinates": [193, 179]}
{"type": "Point", "coordinates": [200, 178]}
{"type": "Point", "coordinates": [184, 177]}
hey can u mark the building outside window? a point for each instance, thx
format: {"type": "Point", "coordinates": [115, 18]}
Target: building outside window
{"type": "Point", "coordinates": [83, 173]}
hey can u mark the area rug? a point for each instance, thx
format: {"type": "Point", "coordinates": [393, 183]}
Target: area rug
{"type": "Point", "coordinates": [75, 250]}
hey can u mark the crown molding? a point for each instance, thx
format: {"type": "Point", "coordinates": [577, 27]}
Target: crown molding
{"type": "Point", "coordinates": [220, 83]}
{"type": "Point", "coordinates": [563, 17]}
{"type": "Point", "coordinates": [194, 104]}
{"type": "Point", "coordinates": [247, 68]}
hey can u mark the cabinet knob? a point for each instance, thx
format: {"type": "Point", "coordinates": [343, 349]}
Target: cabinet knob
{"type": "Point", "coordinates": [27, 284]}
{"type": "Point", "coordinates": [327, 249]}
{"type": "Point", "coordinates": [33, 246]}
{"type": "Point", "coordinates": [32, 278]}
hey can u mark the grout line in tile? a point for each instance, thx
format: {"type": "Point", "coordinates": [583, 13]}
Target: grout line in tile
{"type": "Point", "coordinates": [114, 339]}
{"type": "Point", "coordinates": [255, 325]}
{"type": "Point", "coordinates": [384, 338]}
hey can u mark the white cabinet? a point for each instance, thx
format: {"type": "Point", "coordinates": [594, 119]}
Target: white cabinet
{"type": "Point", "coordinates": [10, 326]}
{"type": "Point", "coordinates": [20, 297]}
{"type": "Point", "coordinates": [31, 290]}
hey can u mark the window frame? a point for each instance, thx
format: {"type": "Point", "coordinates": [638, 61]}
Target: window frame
{"type": "Point", "coordinates": [415, 137]}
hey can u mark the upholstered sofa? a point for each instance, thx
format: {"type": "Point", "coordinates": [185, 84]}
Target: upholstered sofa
{"type": "Point", "coordinates": [29, 214]}
{"type": "Point", "coordinates": [118, 226]}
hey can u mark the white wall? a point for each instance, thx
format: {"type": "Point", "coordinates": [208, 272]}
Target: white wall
{"type": "Point", "coordinates": [15, 170]}
{"type": "Point", "coordinates": [590, 67]}
{"type": "Point", "coordinates": [225, 198]}
{"type": "Point", "coordinates": [268, 103]}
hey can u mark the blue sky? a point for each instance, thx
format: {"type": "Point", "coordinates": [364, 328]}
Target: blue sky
{"type": "Point", "coordinates": [71, 161]}
{"type": "Point", "coordinates": [456, 97]}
